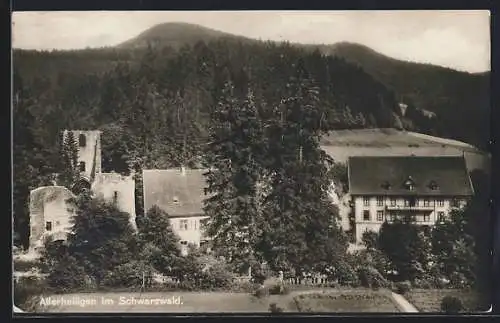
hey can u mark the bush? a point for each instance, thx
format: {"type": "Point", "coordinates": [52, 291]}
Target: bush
{"type": "Point", "coordinates": [402, 287]}
{"type": "Point", "coordinates": [217, 276]}
{"type": "Point", "coordinates": [279, 289]}
{"type": "Point", "coordinates": [424, 283]}
{"type": "Point", "coordinates": [261, 292]}
{"type": "Point", "coordinates": [371, 277]}
{"type": "Point", "coordinates": [27, 291]}
{"type": "Point", "coordinates": [66, 275]}
{"type": "Point", "coordinates": [451, 305]}
{"type": "Point", "coordinates": [128, 275]}
{"type": "Point", "coordinates": [259, 274]}
{"type": "Point", "coordinates": [244, 286]}
{"type": "Point", "coordinates": [346, 275]}
{"type": "Point", "coordinates": [187, 285]}
{"type": "Point", "coordinates": [273, 308]}
{"type": "Point", "coordinates": [25, 265]}
{"type": "Point", "coordinates": [440, 282]}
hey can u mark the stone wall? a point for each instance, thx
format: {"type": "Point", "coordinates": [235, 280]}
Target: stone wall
{"type": "Point", "coordinates": [112, 185]}
{"type": "Point", "coordinates": [49, 209]}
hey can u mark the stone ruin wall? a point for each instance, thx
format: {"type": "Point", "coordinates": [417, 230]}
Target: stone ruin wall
{"type": "Point", "coordinates": [49, 204]}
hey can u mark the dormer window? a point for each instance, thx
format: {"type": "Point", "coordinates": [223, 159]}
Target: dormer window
{"type": "Point", "coordinates": [433, 185]}
{"type": "Point", "coordinates": [409, 184]}
{"type": "Point", "coordinates": [175, 199]}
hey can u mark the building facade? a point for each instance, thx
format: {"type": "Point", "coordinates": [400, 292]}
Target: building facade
{"type": "Point", "coordinates": [180, 194]}
{"type": "Point", "coordinates": [423, 189]}
{"type": "Point", "coordinates": [50, 215]}
{"type": "Point", "coordinates": [117, 189]}
{"type": "Point", "coordinates": [50, 209]}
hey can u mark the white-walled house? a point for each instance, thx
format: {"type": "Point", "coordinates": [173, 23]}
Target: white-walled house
{"type": "Point", "coordinates": [425, 188]}
{"type": "Point", "coordinates": [179, 193]}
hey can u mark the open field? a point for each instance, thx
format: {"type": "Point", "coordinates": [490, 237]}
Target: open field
{"type": "Point", "coordinates": [347, 301]}
{"type": "Point", "coordinates": [430, 300]}
{"type": "Point", "coordinates": [343, 144]}
{"type": "Point", "coordinates": [329, 300]}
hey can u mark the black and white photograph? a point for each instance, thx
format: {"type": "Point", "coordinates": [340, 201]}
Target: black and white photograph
{"type": "Point", "coordinates": [251, 162]}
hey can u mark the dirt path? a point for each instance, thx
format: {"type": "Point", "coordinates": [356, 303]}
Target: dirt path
{"type": "Point", "coordinates": [402, 304]}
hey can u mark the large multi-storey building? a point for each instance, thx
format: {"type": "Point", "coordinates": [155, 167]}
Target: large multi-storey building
{"type": "Point", "coordinates": [424, 189]}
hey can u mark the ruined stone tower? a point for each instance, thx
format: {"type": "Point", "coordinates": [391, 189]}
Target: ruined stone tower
{"type": "Point", "coordinates": [49, 211]}
{"type": "Point", "coordinates": [89, 151]}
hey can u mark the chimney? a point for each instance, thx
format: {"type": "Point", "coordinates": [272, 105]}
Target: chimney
{"type": "Point", "coordinates": [183, 170]}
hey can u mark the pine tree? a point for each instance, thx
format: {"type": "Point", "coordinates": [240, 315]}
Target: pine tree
{"type": "Point", "coordinates": [69, 160]}
{"type": "Point", "coordinates": [301, 225]}
{"type": "Point", "coordinates": [235, 155]}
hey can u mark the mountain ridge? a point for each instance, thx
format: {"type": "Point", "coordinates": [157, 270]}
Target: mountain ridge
{"type": "Point", "coordinates": [441, 101]}
{"type": "Point", "coordinates": [153, 34]}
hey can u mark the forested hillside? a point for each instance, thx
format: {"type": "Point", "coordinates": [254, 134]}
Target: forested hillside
{"type": "Point", "coordinates": [460, 100]}
{"type": "Point", "coordinates": [162, 99]}
{"type": "Point", "coordinates": [153, 103]}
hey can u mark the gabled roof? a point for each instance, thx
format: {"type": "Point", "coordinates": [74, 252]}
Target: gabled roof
{"type": "Point", "coordinates": [388, 176]}
{"type": "Point", "coordinates": [176, 192]}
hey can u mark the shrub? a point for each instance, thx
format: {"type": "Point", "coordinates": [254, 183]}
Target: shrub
{"type": "Point", "coordinates": [25, 265]}
{"type": "Point", "coordinates": [371, 277]}
{"type": "Point", "coordinates": [217, 276]}
{"type": "Point", "coordinates": [424, 283]}
{"type": "Point", "coordinates": [187, 285]}
{"type": "Point", "coordinates": [273, 308]}
{"type": "Point", "coordinates": [261, 292]}
{"type": "Point", "coordinates": [244, 286]}
{"type": "Point", "coordinates": [451, 305]}
{"type": "Point", "coordinates": [440, 282]}
{"type": "Point", "coordinates": [346, 275]}
{"type": "Point", "coordinates": [279, 289]}
{"type": "Point", "coordinates": [402, 287]}
{"type": "Point", "coordinates": [128, 275]}
{"type": "Point", "coordinates": [259, 274]}
{"type": "Point", "coordinates": [66, 275]}
{"type": "Point", "coordinates": [27, 291]}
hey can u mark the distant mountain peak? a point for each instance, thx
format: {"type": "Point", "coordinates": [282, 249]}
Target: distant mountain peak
{"type": "Point", "coordinates": [176, 34]}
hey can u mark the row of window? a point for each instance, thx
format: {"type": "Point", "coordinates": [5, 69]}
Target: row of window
{"type": "Point", "coordinates": [185, 225]}
{"type": "Point", "coordinates": [392, 217]}
{"type": "Point", "coordinates": [407, 202]}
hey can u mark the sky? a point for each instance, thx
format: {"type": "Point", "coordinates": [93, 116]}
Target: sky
{"type": "Point", "coordinates": [455, 39]}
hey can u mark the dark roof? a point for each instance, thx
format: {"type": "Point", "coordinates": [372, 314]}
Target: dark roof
{"type": "Point", "coordinates": [175, 193]}
{"type": "Point", "coordinates": [388, 175]}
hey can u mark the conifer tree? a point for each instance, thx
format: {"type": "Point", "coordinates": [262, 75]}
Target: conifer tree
{"type": "Point", "coordinates": [69, 159]}
{"type": "Point", "coordinates": [235, 155]}
{"type": "Point", "coordinates": [301, 223]}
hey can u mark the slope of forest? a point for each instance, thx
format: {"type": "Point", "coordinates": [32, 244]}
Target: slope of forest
{"type": "Point", "coordinates": [153, 103]}
{"type": "Point", "coordinates": [460, 100]}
